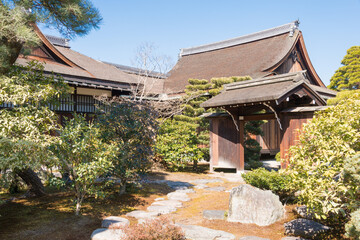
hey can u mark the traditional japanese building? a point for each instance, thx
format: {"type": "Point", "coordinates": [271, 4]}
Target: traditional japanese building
{"type": "Point", "coordinates": [88, 77]}
{"type": "Point", "coordinates": [259, 55]}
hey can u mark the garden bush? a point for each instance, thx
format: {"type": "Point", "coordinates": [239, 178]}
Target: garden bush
{"type": "Point", "coordinates": [176, 144]}
{"type": "Point", "coordinates": [156, 229]}
{"type": "Point", "coordinates": [353, 226]}
{"type": "Point", "coordinates": [317, 161]}
{"type": "Point", "coordinates": [277, 182]}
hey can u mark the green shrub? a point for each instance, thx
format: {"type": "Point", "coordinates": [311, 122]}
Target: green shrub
{"type": "Point", "coordinates": [317, 162]}
{"type": "Point", "coordinates": [277, 182]}
{"type": "Point", "coordinates": [160, 229]}
{"type": "Point", "coordinates": [176, 144]}
{"type": "Point", "coordinates": [353, 226]}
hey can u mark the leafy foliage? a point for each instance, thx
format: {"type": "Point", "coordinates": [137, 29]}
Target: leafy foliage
{"type": "Point", "coordinates": [317, 162]}
{"type": "Point", "coordinates": [348, 76]}
{"type": "Point", "coordinates": [25, 128]}
{"type": "Point", "coordinates": [17, 18]}
{"type": "Point", "coordinates": [343, 95]}
{"type": "Point", "coordinates": [159, 228]}
{"type": "Point", "coordinates": [177, 144]}
{"type": "Point", "coordinates": [131, 126]}
{"type": "Point", "coordinates": [277, 182]}
{"type": "Point", "coordinates": [86, 158]}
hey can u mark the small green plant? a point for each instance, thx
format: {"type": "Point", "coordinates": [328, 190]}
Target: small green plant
{"type": "Point", "coordinates": [277, 182]}
{"type": "Point", "coordinates": [157, 229]}
{"type": "Point", "coordinates": [353, 226]}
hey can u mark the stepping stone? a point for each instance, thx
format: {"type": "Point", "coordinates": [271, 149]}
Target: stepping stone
{"type": "Point", "coordinates": [205, 181]}
{"type": "Point", "coordinates": [253, 238]}
{"type": "Point", "coordinates": [159, 199]}
{"type": "Point", "coordinates": [201, 186]}
{"type": "Point", "coordinates": [293, 238]}
{"type": "Point", "coordinates": [114, 221]}
{"type": "Point", "coordinates": [161, 209]}
{"type": "Point", "coordinates": [138, 214]}
{"type": "Point", "coordinates": [179, 196]}
{"type": "Point", "coordinates": [214, 214]}
{"type": "Point", "coordinates": [305, 228]}
{"type": "Point", "coordinates": [189, 190]}
{"type": "Point", "coordinates": [216, 189]}
{"type": "Point", "coordinates": [170, 203]}
{"type": "Point", "coordinates": [201, 233]}
{"type": "Point", "coordinates": [107, 234]}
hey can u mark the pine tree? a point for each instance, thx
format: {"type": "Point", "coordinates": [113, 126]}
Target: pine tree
{"type": "Point", "coordinates": [197, 92]}
{"type": "Point", "coordinates": [347, 77]}
{"type": "Point", "coordinates": [70, 17]}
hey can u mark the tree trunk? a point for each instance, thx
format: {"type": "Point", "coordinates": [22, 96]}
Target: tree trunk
{"type": "Point", "coordinates": [33, 181]}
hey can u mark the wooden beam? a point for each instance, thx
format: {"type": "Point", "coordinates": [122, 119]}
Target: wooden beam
{"type": "Point", "coordinates": [240, 146]}
{"type": "Point", "coordinates": [258, 117]}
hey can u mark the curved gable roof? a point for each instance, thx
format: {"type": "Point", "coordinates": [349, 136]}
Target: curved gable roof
{"type": "Point", "coordinates": [256, 55]}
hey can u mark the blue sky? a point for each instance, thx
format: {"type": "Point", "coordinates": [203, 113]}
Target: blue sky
{"type": "Point", "coordinates": [329, 27]}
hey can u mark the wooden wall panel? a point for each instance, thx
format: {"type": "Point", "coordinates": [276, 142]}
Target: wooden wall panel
{"type": "Point", "coordinates": [228, 156]}
{"type": "Point", "coordinates": [290, 134]}
{"type": "Point", "coordinates": [270, 141]}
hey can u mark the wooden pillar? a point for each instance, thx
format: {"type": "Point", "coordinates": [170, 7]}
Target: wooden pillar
{"type": "Point", "coordinates": [240, 167]}
{"type": "Point", "coordinates": [214, 143]}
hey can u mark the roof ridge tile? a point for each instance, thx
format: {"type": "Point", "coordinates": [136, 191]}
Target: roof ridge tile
{"type": "Point", "coordinates": [289, 27]}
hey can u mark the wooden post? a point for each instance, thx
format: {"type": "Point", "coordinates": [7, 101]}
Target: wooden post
{"type": "Point", "coordinates": [241, 147]}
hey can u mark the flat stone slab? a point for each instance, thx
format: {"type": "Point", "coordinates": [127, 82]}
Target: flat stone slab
{"type": "Point", "coordinates": [107, 234]}
{"type": "Point", "coordinates": [201, 233]}
{"type": "Point", "coordinates": [216, 189]}
{"type": "Point", "coordinates": [159, 199]}
{"type": "Point", "coordinates": [253, 238]}
{"type": "Point", "coordinates": [179, 196]}
{"type": "Point", "coordinates": [115, 221]}
{"type": "Point", "coordinates": [214, 214]}
{"type": "Point", "coordinates": [293, 238]}
{"type": "Point", "coordinates": [170, 203]}
{"type": "Point", "coordinates": [205, 181]}
{"type": "Point", "coordinates": [305, 228]}
{"type": "Point", "coordinates": [161, 209]}
{"type": "Point", "coordinates": [189, 190]}
{"type": "Point", "coordinates": [138, 214]}
{"type": "Point", "coordinates": [201, 186]}
{"type": "Point", "coordinates": [177, 185]}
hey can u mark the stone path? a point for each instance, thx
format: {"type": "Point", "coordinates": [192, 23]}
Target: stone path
{"type": "Point", "coordinates": [171, 203]}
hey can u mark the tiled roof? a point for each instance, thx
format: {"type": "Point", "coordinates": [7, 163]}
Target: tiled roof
{"type": "Point", "coordinates": [286, 28]}
{"type": "Point", "coordinates": [264, 89]}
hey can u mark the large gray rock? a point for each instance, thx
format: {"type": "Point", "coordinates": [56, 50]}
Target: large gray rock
{"type": "Point", "coordinates": [252, 205]}
{"type": "Point", "coordinates": [138, 214]}
{"type": "Point", "coordinates": [179, 196]}
{"type": "Point", "coordinates": [201, 233]}
{"type": "Point", "coordinates": [305, 228]}
{"type": "Point", "coordinates": [253, 238]}
{"type": "Point", "coordinates": [114, 221]}
{"type": "Point", "coordinates": [107, 234]}
{"type": "Point", "coordinates": [170, 203]}
{"type": "Point", "coordinates": [214, 214]}
{"type": "Point", "coordinates": [161, 209]}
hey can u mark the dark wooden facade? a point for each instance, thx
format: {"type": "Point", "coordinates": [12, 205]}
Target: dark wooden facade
{"type": "Point", "coordinates": [286, 101]}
